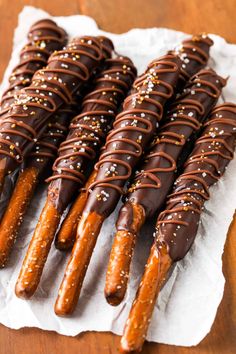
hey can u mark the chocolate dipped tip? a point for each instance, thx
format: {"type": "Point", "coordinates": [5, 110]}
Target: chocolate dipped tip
{"type": "Point", "coordinates": [107, 46]}
{"type": "Point", "coordinates": [50, 28]}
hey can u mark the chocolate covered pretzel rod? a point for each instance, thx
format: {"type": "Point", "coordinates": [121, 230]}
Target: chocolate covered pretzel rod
{"type": "Point", "coordinates": [77, 155]}
{"type": "Point", "coordinates": [133, 129]}
{"type": "Point", "coordinates": [194, 54]}
{"type": "Point", "coordinates": [44, 38]}
{"type": "Point", "coordinates": [177, 225]}
{"type": "Point", "coordinates": [37, 166]}
{"type": "Point", "coordinates": [151, 185]}
{"type": "Point", "coordinates": [66, 72]}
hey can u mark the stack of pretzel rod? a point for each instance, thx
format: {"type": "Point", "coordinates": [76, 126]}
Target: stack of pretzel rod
{"type": "Point", "coordinates": [133, 128]}
{"type": "Point", "coordinates": [51, 87]}
{"type": "Point", "coordinates": [194, 54]}
{"type": "Point", "coordinates": [151, 185]}
{"type": "Point", "coordinates": [37, 166]}
{"type": "Point", "coordinates": [77, 155]}
{"type": "Point", "coordinates": [177, 225]}
{"type": "Point", "coordinates": [44, 38]}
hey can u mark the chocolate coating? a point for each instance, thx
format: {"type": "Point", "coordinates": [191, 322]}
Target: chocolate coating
{"type": "Point", "coordinates": [44, 38]}
{"type": "Point", "coordinates": [88, 130]}
{"type": "Point", "coordinates": [133, 129]}
{"type": "Point", "coordinates": [177, 225]}
{"type": "Point", "coordinates": [66, 72]}
{"type": "Point", "coordinates": [156, 175]}
{"type": "Point", "coordinates": [194, 54]}
{"type": "Point", "coordinates": [45, 150]}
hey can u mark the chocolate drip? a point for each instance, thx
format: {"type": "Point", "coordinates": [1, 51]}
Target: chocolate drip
{"type": "Point", "coordinates": [157, 173]}
{"type": "Point", "coordinates": [44, 38]}
{"type": "Point", "coordinates": [133, 129]}
{"type": "Point", "coordinates": [88, 130]}
{"type": "Point", "coordinates": [177, 225]}
{"type": "Point", "coordinates": [194, 53]}
{"type": "Point", "coordinates": [66, 72]}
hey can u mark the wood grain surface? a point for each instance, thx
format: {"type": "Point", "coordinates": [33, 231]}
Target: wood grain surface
{"type": "Point", "coordinates": [192, 16]}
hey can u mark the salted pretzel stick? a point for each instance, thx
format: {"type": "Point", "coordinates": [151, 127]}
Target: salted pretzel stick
{"type": "Point", "coordinates": [177, 225]}
{"type": "Point", "coordinates": [65, 74]}
{"type": "Point", "coordinates": [133, 129]}
{"type": "Point", "coordinates": [67, 233]}
{"type": "Point", "coordinates": [150, 187]}
{"type": "Point", "coordinates": [194, 54]}
{"type": "Point", "coordinates": [36, 166]}
{"type": "Point", "coordinates": [44, 38]}
{"type": "Point", "coordinates": [77, 155]}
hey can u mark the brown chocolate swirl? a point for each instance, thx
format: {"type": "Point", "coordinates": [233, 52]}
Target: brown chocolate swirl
{"type": "Point", "coordinates": [133, 129]}
{"type": "Point", "coordinates": [177, 225]}
{"type": "Point", "coordinates": [66, 72]}
{"type": "Point", "coordinates": [88, 130]}
{"type": "Point", "coordinates": [44, 38]}
{"type": "Point", "coordinates": [157, 173]}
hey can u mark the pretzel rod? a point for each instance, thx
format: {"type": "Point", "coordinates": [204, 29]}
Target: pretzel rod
{"type": "Point", "coordinates": [76, 157]}
{"type": "Point", "coordinates": [13, 215]}
{"type": "Point", "coordinates": [150, 187]}
{"type": "Point", "coordinates": [52, 86]}
{"type": "Point", "coordinates": [156, 271]}
{"type": "Point", "coordinates": [133, 129]}
{"type": "Point", "coordinates": [35, 167]}
{"type": "Point", "coordinates": [65, 237]}
{"type": "Point", "coordinates": [44, 38]}
{"type": "Point", "coordinates": [177, 225]}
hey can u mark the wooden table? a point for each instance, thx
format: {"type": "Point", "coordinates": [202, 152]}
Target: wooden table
{"type": "Point", "coordinates": [119, 16]}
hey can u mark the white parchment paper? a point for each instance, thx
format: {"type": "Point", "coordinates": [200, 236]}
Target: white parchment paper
{"type": "Point", "coordinates": [187, 305]}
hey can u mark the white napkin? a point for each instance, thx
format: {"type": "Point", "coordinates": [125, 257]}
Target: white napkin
{"type": "Point", "coordinates": [187, 305]}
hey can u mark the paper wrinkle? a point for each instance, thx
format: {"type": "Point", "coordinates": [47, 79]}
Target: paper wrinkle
{"type": "Point", "coordinates": [187, 305]}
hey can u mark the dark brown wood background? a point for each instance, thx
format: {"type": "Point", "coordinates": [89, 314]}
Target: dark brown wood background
{"type": "Point", "coordinates": [192, 16]}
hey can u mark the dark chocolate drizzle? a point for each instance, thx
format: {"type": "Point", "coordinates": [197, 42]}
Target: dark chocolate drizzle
{"type": "Point", "coordinates": [44, 38]}
{"type": "Point", "coordinates": [133, 129]}
{"type": "Point", "coordinates": [157, 173]}
{"type": "Point", "coordinates": [88, 130]}
{"type": "Point", "coordinates": [177, 225]}
{"type": "Point", "coordinates": [66, 72]}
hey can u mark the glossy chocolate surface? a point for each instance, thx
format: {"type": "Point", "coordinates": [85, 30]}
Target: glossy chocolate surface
{"type": "Point", "coordinates": [156, 175]}
{"type": "Point", "coordinates": [44, 38]}
{"type": "Point", "coordinates": [66, 72]}
{"type": "Point", "coordinates": [177, 225]}
{"type": "Point", "coordinates": [88, 130]}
